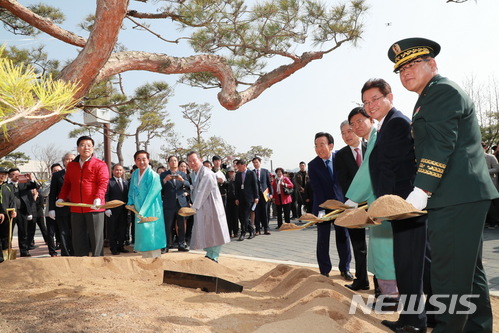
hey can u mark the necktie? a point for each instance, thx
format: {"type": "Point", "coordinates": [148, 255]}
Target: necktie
{"type": "Point", "coordinates": [120, 184]}
{"type": "Point", "coordinates": [328, 165]}
{"type": "Point", "coordinates": [258, 174]}
{"type": "Point", "coordinates": [358, 158]}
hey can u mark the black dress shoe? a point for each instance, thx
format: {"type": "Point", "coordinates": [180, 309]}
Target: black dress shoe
{"type": "Point", "coordinates": [347, 276]}
{"type": "Point", "coordinates": [356, 285]}
{"type": "Point", "coordinates": [25, 254]}
{"type": "Point", "coordinates": [251, 235]}
{"type": "Point", "coordinates": [123, 250]}
{"type": "Point", "coordinates": [241, 236]}
{"type": "Point", "coordinates": [266, 232]}
{"type": "Point", "coordinates": [402, 328]}
{"type": "Point", "coordinates": [183, 248]}
{"type": "Point", "coordinates": [115, 252]}
{"type": "Point", "coordinates": [163, 251]}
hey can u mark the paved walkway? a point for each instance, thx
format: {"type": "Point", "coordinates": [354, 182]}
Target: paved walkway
{"type": "Point", "coordinates": [298, 247]}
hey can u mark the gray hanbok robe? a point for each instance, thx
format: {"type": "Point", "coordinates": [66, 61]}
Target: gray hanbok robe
{"type": "Point", "coordinates": [210, 224]}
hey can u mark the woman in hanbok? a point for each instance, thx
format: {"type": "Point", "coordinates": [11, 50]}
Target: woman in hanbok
{"type": "Point", "coordinates": [145, 196]}
{"type": "Point", "coordinates": [380, 260]}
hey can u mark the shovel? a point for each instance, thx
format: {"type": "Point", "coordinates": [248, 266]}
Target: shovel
{"type": "Point", "coordinates": [142, 219]}
{"type": "Point", "coordinates": [335, 204]}
{"type": "Point", "coordinates": [186, 211]}
{"type": "Point", "coordinates": [314, 219]}
{"type": "Point", "coordinates": [9, 253]}
{"type": "Point", "coordinates": [107, 205]}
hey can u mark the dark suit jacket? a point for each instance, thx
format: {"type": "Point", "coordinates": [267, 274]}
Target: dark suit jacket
{"type": "Point", "coordinates": [55, 188]}
{"type": "Point", "coordinates": [174, 192]}
{"type": "Point", "coordinates": [392, 163]}
{"type": "Point", "coordinates": [250, 191]}
{"type": "Point", "coordinates": [8, 200]}
{"type": "Point", "coordinates": [115, 193]}
{"type": "Point", "coordinates": [347, 166]}
{"type": "Point", "coordinates": [26, 203]}
{"type": "Point", "coordinates": [264, 181]}
{"type": "Point", "coordinates": [323, 186]}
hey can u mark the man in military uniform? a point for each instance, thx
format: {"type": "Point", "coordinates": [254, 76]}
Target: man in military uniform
{"type": "Point", "coordinates": [452, 183]}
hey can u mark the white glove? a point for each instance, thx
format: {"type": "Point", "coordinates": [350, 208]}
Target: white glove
{"type": "Point", "coordinates": [59, 200]}
{"type": "Point", "coordinates": [352, 204]}
{"type": "Point", "coordinates": [52, 214]}
{"type": "Point", "coordinates": [29, 217]}
{"type": "Point", "coordinates": [418, 198]}
{"type": "Point", "coordinates": [95, 204]}
{"type": "Point", "coordinates": [108, 213]}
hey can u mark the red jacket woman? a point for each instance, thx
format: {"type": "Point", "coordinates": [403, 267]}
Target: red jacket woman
{"type": "Point", "coordinates": [281, 199]}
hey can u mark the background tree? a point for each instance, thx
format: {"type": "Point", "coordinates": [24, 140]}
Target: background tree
{"type": "Point", "coordinates": [154, 120]}
{"type": "Point", "coordinates": [231, 44]}
{"type": "Point", "coordinates": [46, 156]}
{"type": "Point", "coordinates": [263, 153]}
{"type": "Point", "coordinates": [485, 95]}
{"type": "Point", "coordinates": [14, 159]}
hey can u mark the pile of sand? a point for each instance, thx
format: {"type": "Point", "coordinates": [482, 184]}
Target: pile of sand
{"type": "Point", "coordinates": [389, 206]}
{"type": "Point", "coordinates": [126, 294]}
{"type": "Point", "coordinates": [354, 218]}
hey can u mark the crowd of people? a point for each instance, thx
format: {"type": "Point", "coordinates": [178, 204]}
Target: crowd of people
{"type": "Point", "coordinates": [435, 161]}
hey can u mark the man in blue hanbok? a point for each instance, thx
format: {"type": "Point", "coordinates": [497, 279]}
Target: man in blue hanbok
{"type": "Point", "coordinates": [145, 195]}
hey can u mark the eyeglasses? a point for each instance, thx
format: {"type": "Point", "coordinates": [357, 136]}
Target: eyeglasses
{"type": "Point", "coordinates": [373, 101]}
{"type": "Point", "coordinates": [409, 65]}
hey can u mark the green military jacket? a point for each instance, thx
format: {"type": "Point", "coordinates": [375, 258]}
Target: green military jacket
{"type": "Point", "coordinates": [448, 147]}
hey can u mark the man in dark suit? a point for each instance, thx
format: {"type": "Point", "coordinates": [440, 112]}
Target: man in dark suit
{"type": "Point", "coordinates": [261, 211]}
{"type": "Point", "coordinates": [325, 186]}
{"type": "Point", "coordinates": [246, 187]}
{"type": "Point", "coordinates": [117, 218]}
{"type": "Point", "coordinates": [6, 201]}
{"type": "Point", "coordinates": [393, 169]}
{"type": "Point", "coordinates": [452, 182]}
{"type": "Point", "coordinates": [175, 190]}
{"type": "Point", "coordinates": [25, 203]}
{"type": "Point", "coordinates": [61, 215]}
{"type": "Point", "coordinates": [348, 160]}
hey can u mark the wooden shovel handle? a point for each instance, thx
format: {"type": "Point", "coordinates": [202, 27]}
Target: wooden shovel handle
{"type": "Point", "coordinates": [107, 205]}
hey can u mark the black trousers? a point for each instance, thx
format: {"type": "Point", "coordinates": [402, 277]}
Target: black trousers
{"type": "Point", "coordinates": [65, 234]}
{"type": "Point", "coordinates": [231, 213]}
{"type": "Point", "coordinates": [116, 228]}
{"type": "Point", "coordinates": [261, 214]}
{"type": "Point", "coordinates": [287, 212]}
{"type": "Point", "coordinates": [170, 217]}
{"type": "Point", "coordinates": [22, 231]}
{"type": "Point", "coordinates": [51, 235]}
{"type": "Point", "coordinates": [359, 247]}
{"type": "Point", "coordinates": [409, 252]}
{"type": "Point", "coordinates": [40, 221]}
{"type": "Point", "coordinates": [244, 210]}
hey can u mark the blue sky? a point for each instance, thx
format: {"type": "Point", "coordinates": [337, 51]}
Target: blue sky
{"type": "Point", "coordinates": [318, 97]}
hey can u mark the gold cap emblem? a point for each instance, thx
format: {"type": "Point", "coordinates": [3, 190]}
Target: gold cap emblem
{"type": "Point", "coordinates": [396, 49]}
